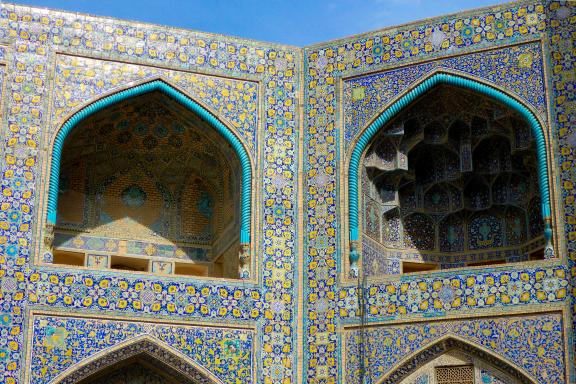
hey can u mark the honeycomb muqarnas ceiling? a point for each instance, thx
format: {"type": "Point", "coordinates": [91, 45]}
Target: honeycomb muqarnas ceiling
{"type": "Point", "coordinates": [458, 162]}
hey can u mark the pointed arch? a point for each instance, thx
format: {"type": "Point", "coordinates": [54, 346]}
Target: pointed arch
{"type": "Point", "coordinates": [158, 85]}
{"type": "Point", "coordinates": [442, 78]}
{"type": "Point", "coordinates": [166, 356]}
{"type": "Point", "coordinates": [448, 343]}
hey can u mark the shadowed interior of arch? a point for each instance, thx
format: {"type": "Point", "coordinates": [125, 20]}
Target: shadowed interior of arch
{"type": "Point", "coordinates": [151, 185]}
{"type": "Point", "coordinates": [451, 181]}
{"type": "Point", "coordinates": [143, 360]}
{"type": "Point", "coordinates": [141, 368]}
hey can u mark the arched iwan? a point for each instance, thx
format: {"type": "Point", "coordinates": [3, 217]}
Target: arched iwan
{"type": "Point", "coordinates": [446, 344]}
{"type": "Point", "coordinates": [163, 87]}
{"type": "Point", "coordinates": [171, 361]}
{"type": "Point", "coordinates": [398, 106]}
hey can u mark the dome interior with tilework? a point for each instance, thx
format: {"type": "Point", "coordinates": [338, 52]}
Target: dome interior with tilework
{"type": "Point", "coordinates": [148, 177]}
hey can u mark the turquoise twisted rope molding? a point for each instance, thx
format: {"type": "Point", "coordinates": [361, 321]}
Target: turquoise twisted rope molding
{"type": "Point", "coordinates": [403, 102]}
{"type": "Point", "coordinates": [161, 86]}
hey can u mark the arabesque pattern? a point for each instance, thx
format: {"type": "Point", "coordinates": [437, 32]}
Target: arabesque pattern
{"type": "Point", "coordinates": [227, 353]}
{"type": "Point", "coordinates": [505, 337]}
{"type": "Point", "coordinates": [268, 72]}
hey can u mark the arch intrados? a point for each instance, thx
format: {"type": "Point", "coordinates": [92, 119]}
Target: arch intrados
{"type": "Point", "coordinates": [132, 85]}
{"type": "Point", "coordinates": [185, 116]}
{"type": "Point", "coordinates": [394, 109]}
{"type": "Point", "coordinates": [182, 98]}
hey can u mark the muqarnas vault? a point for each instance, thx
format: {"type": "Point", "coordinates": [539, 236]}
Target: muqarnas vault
{"type": "Point", "coordinates": [392, 207]}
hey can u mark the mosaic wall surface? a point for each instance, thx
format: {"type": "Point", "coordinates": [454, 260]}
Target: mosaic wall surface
{"type": "Point", "coordinates": [533, 343]}
{"type": "Point", "coordinates": [562, 83]}
{"type": "Point", "coordinates": [329, 130]}
{"type": "Point", "coordinates": [59, 343]}
{"type": "Point", "coordinates": [255, 88]}
{"type": "Point", "coordinates": [366, 96]}
{"type": "Point", "coordinates": [260, 105]}
{"type": "Point", "coordinates": [78, 80]}
{"type": "Point", "coordinates": [446, 292]}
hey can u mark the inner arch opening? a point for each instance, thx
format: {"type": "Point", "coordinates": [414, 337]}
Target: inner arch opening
{"type": "Point", "coordinates": [451, 181]}
{"type": "Point", "coordinates": [148, 185]}
{"type": "Point", "coordinates": [141, 368]}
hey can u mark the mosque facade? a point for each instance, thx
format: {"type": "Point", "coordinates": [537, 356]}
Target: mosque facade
{"type": "Point", "coordinates": [391, 207]}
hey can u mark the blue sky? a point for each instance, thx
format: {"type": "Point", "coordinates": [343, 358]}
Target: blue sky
{"type": "Point", "coordinates": [296, 22]}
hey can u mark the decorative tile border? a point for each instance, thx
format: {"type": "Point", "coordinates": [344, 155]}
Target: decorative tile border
{"type": "Point", "coordinates": [447, 292]}
{"type": "Point", "coordinates": [125, 295]}
{"type": "Point", "coordinates": [132, 247]}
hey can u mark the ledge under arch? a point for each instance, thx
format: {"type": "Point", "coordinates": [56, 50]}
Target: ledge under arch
{"type": "Point", "coordinates": [425, 85]}
{"type": "Point", "coordinates": [446, 344]}
{"type": "Point", "coordinates": [159, 85]}
{"type": "Point", "coordinates": [141, 345]}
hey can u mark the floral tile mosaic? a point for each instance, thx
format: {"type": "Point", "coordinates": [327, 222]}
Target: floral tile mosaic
{"type": "Point", "coordinates": [446, 292]}
{"type": "Point", "coordinates": [252, 85]}
{"type": "Point", "coordinates": [60, 342]}
{"type": "Point", "coordinates": [440, 41]}
{"type": "Point", "coordinates": [533, 343]}
{"type": "Point", "coordinates": [124, 295]}
{"type": "Point", "coordinates": [275, 97]}
{"type": "Point", "coordinates": [79, 79]}
{"type": "Point", "coordinates": [518, 69]}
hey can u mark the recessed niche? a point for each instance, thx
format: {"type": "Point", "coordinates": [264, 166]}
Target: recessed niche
{"type": "Point", "coordinates": [470, 185]}
{"type": "Point", "coordinates": [149, 178]}
{"type": "Point", "coordinates": [413, 267]}
{"type": "Point", "coordinates": [68, 258]}
{"type": "Point", "coordinates": [129, 263]}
